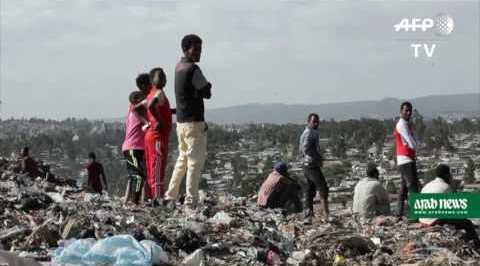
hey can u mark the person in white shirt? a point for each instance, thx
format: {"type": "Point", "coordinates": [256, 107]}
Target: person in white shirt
{"type": "Point", "coordinates": [406, 145]}
{"type": "Point", "coordinates": [370, 199]}
{"type": "Point", "coordinates": [441, 184]}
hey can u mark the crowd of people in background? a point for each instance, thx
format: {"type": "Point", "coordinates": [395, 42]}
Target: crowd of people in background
{"type": "Point", "coordinates": [370, 199]}
{"type": "Point", "coordinates": [145, 148]}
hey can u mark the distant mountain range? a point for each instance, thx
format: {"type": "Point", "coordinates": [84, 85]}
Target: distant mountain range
{"type": "Point", "coordinates": [456, 105]}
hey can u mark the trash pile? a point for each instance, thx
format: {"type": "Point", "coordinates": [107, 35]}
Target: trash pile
{"type": "Point", "coordinates": [348, 240]}
{"type": "Point", "coordinates": [56, 223]}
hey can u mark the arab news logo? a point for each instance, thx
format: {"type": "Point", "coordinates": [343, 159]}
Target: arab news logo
{"type": "Point", "coordinates": [458, 205]}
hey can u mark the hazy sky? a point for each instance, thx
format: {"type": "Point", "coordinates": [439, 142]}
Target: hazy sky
{"type": "Point", "coordinates": [79, 57]}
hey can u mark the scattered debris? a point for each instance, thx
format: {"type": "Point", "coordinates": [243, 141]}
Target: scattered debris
{"type": "Point", "coordinates": [43, 220]}
{"type": "Point", "coordinates": [8, 258]}
{"type": "Point", "coordinates": [194, 259]}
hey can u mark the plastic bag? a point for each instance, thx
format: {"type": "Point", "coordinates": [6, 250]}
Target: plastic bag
{"type": "Point", "coordinates": [116, 250]}
{"type": "Point", "coordinates": [72, 253]}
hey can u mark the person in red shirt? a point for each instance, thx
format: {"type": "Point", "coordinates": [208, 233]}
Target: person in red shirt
{"type": "Point", "coordinates": [96, 175]}
{"type": "Point", "coordinates": [27, 164]}
{"type": "Point", "coordinates": [157, 136]}
{"type": "Point", "coordinates": [406, 153]}
{"type": "Point", "coordinates": [279, 190]}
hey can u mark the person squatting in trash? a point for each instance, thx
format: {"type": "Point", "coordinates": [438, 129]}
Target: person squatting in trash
{"type": "Point", "coordinates": [370, 199]}
{"type": "Point", "coordinates": [280, 191]}
{"type": "Point", "coordinates": [442, 184]}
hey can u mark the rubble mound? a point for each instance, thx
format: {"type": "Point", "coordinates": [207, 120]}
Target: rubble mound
{"type": "Point", "coordinates": [38, 216]}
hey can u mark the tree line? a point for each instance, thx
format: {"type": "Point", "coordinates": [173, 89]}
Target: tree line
{"type": "Point", "coordinates": [72, 139]}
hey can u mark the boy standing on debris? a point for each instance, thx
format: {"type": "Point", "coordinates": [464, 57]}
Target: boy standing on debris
{"type": "Point", "coordinates": [191, 87]}
{"type": "Point", "coordinates": [157, 136]}
{"type": "Point", "coordinates": [97, 180]}
{"type": "Point", "coordinates": [134, 144]}
{"type": "Point", "coordinates": [441, 184]}
{"type": "Point", "coordinates": [370, 198]}
{"type": "Point", "coordinates": [312, 162]}
{"type": "Point", "coordinates": [406, 145]}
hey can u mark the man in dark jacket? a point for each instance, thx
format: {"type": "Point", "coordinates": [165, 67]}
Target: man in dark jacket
{"type": "Point", "coordinates": [191, 88]}
{"type": "Point", "coordinates": [312, 162]}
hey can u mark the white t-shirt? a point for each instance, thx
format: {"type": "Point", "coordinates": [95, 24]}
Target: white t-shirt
{"type": "Point", "coordinates": [437, 185]}
{"type": "Point", "coordinates": [408, 138]}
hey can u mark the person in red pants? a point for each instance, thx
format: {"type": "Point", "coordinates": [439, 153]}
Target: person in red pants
{"type": "Point", "coordinates": [157, 136]}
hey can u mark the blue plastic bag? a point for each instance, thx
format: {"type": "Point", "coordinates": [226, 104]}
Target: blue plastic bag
{"type": "Point", "coordinates": [121, 250]}
{"type": "Point", "coordinates": [73, 252]}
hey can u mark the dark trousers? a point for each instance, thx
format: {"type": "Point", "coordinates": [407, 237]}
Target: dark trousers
{"type": "Point", "coordinates": [409, 184]}
{"type": "Point", "coordinates": [464, 224]}
{"type": "Point", "coordinates": [285, 196]}
{"type": "Point", "coordinates": [316, 181]}
{"type": "Point", "coordinates": [135, 161]}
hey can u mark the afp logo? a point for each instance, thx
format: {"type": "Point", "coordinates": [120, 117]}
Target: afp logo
{"type": "Point", "coordinates": [442, 25]}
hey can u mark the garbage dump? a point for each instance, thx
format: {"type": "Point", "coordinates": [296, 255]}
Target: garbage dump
{"type": "Point", "coordinates": [56, 222]}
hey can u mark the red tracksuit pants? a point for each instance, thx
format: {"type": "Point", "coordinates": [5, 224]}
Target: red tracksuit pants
{"type": "Point", "coordinates": [156, 154]}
